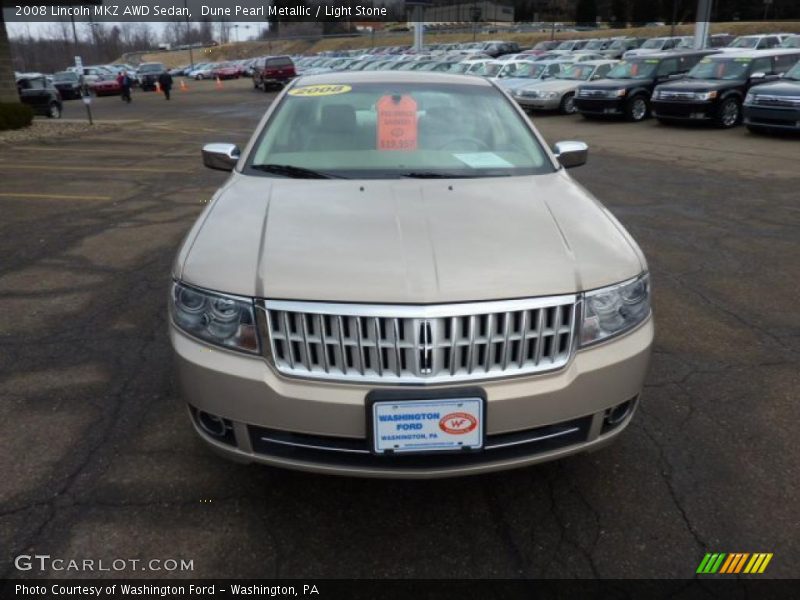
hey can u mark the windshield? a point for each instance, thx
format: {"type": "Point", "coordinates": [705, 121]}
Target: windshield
{"type": "Point", "coordinates": [458, 68]}
{"type": "Point", "coordinates": [577, 71]}
{"type": "Point", "coordinates": [744, 42]}
{"type": "Point", "coordinates": [720, 68]}
{"type": "Point", "coordinates": [151, 68]}
{"type": "Point", "coordinates": [634, 69]}
{"type": "Point", "coordinates": [595, 45]}
{"type": "Point", "coordinates": [565, 46]}
{"type": "Point", "coordinates": [654, 43]}
{"type": "Point", "coordinates": [521, 69]}
{"type": "Point", "coordinates": [793, 73]}
{"type": "Point", "coordinates": [393, 130]}
{"type": "Point", "coordinates": [488, 69]}
{"type": "Point", "coordinates": [791, 42]}
{"type": "Point", "coordinates": [618, 45]}
{"type": "Point", "coordinates": [65, 76]}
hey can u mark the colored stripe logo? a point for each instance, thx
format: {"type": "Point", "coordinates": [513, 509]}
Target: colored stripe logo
{"type": "Point", "coordinates": [734, 563]}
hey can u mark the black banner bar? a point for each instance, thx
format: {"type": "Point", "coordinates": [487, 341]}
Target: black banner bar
{"type": "Point", "coordinates": [713, 587]}
{"type": "Point", "coordinates": [387, 11]}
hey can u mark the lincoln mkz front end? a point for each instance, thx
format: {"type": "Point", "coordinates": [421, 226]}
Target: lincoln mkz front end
{"type": "Point", "coordinates": [379, 290]}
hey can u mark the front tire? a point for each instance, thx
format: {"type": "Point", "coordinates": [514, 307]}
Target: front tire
{"type": "Point", "coordinates": [637, 109]}
{"type": "Point", "coordinates": [730, 111]}
{"type": "Point", "coordinates": [567, 106]}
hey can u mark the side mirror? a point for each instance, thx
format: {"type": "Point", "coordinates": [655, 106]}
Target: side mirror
{"type": "Point", "coordinates": [758, 75]}
{"type": "Point", "coordinates": [571, 154]}
{"type": "Point", "coordinates": [222, 157]}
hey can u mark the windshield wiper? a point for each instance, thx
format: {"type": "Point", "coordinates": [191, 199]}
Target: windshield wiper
{"type": "Point", "coordinates": [295, 172]}
{"type": "Point", "coordinates": [445, 175]}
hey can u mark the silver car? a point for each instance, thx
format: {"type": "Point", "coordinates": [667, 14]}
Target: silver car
{"type": "Point", "coordinates": [559, 93]}
{"type": "Point", "coordinates": [522, 73]}
{"type": "Point", "coordinates": [400, 279]}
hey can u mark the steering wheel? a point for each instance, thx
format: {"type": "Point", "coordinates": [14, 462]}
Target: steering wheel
{"type": "Point", "coordinates": [470, 140]}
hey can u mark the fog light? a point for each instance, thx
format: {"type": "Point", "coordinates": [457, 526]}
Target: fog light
{"type": "Point", "coordinates": [214, 426]}
{"type": "Point", "coordinates": [211, 424]}
{"type": "Point", "coordinates": [616, 415]}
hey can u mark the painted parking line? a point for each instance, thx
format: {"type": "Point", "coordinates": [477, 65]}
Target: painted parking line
{"type": "Point", "coordinates": [104, 151]}
{"type": "Point", "coordinates": [53, 196]}
{"type": "Point", "coordinates": [45, 168]}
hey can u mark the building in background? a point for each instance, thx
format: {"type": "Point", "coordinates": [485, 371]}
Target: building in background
{"type": "Point", "coordinates": [463, 11]}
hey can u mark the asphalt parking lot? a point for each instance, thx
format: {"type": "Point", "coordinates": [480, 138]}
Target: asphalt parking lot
{"type": "Point", "coordinates": [99, 460]}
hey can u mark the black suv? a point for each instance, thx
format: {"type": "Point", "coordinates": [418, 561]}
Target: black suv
{"type": "Point", "coordinates": [620, 46]}
{"type": "Point", "coordinates": [147, 75]}
{"type": "Point", "coordinates": [68, 84]}
{"type": "Point", "coordinates": [627, 89]}
{"type": "Point", "coordinates": [775, 106]}
{"type": "Point", "coordinates": [715, 88]}
{"type": "Point", "coordinates": [495, 49]}
{"type": "Point", "coordinates": [38, 93]}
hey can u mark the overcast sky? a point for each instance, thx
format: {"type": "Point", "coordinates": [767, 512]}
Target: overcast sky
{"type": "Point", "coordinates": [246, 29]}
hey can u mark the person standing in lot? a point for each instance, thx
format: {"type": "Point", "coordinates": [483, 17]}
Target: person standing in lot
{"type": "Point", "coordinates": [165, 81]}
{"type": "Point", "coordinates": [124, 82]}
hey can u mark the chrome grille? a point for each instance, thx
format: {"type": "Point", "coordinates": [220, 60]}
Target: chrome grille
{"type": "Point", "coordinates": [668, 95]}
{"type": "Point", "coordinates": [592, 93]}
{"type": "Point", "coordinates": [420, 344]}
{"type": "Point", "coordinates": [767, 100]}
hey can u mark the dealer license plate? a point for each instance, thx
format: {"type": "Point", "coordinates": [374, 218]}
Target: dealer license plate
{"type": "Point", "coordinates": [427, 425]}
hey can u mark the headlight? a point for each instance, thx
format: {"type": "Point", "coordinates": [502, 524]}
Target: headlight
{"type": "Point", "coordinates": [705, 95]}
{"type": "Point", "coordinates": [615, 309]}
{"type": "Point", "coordinates": [750, 98]}
{"type": "Point", "coordinates": [227, 321]}
{"type": "Point", "coordinates": [619, 93]}
{"type": "Point", "coordinates": [549, 95]}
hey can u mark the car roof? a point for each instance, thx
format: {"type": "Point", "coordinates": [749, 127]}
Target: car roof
{"type": "Point", "coordinates": [598, 62]}
{"type": "Point", "coordinates": [673, 53]}
{"type": "Point", "coordinates": [759, 53]}
{"type": "Point", "coordinates": [348, 77]}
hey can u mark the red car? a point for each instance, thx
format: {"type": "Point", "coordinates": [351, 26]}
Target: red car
{"type": "Point", "coordinates": [226, 71]}
{"type": "Point", "coordinates": [105, 87]}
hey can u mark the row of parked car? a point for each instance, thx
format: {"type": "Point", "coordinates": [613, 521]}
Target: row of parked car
{"type": "Point", "coordinates": [753, 79]}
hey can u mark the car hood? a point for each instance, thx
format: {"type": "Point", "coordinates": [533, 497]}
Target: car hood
{"type": "Point", "coordinates": [614, 84]}
{"type": "Point", "coordinates": [779, 88]}
{"type": "Point", "coordinates": [553, 85]}
{"type": "Point", "coordinates": [642, 51]}
{"type": "Point", "coordinates": [700, 85]}
{"type": "Point", "coordinates": [406, 241]}
{"type": "Point", "coordinates": [513, 83]}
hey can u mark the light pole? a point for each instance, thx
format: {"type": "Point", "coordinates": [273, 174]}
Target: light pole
{"type": "Point", "coordinates": [475, 16]}
{"type": "Point", "coordinates": [188, 34]}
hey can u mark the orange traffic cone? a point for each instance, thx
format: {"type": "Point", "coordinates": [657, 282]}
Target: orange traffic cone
{"type": "Point", "coordinates": [219, 83]}
{"type": "Point", "coordinates": [158, 87]}
{"type": "Point", "coordinates": [184, 87]}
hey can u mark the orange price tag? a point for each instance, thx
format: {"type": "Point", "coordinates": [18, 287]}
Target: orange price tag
{"type": "Point", "coordinates": [397, 123]}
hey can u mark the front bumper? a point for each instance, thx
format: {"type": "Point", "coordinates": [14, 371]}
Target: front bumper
{"type": "Point", "coordinates": [772, 117]}
{"type": "Point", "coordinates": [690, 111]}
{"type": "Point", "coordinates": [321, 426]}
{"type": "Point", "coordinates": [600, 106]}
{"type": "Point", "coordinates": [538, 103]}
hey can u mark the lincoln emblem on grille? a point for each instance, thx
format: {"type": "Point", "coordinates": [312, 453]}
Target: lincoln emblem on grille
{"type": "Point", "coordinates": [425, 348]}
